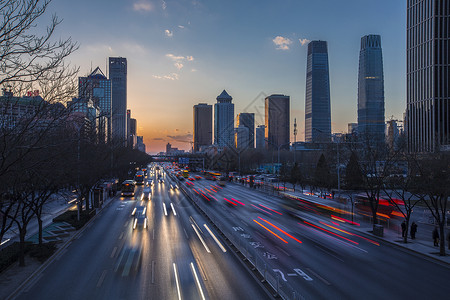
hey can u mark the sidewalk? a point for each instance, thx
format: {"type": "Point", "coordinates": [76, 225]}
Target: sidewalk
{"type": "Point", "coordinates": [422, 245]}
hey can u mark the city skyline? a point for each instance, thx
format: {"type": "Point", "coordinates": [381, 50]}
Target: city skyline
{"type": "Point", "coordinates": [182, 54]}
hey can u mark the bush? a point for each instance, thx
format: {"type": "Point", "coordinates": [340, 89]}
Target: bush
{"type": "Point", "coordinates": [43, 252]}
{"type": "Point", "coordinates": [71, 217]}
{"type": "Point", "coordinates": [10, 254]}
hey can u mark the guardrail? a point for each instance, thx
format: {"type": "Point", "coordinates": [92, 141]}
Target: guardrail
{"type": "Point", "coordinates": [258, 261]}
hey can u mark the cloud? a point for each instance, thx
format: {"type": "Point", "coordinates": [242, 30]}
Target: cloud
{"type": "Point", "coordinates": [190, 58]}
{"type": "Point", "coordinates": [178, 65]}
{"type": "Point", "coordinates": [179, 59]}
{"type": "Point", "coordinates": [168, 33]}
{"type": "Point", "coordinates": [182, 137]}
{"type": "Point", "coordinates": [163, 5]}
{"type": "Point", "coordinates": [282, 43]}
{"type": "Point", "coordinates": [158, 139]}
{"type": "Point", "coordinates": [143, 6]}
{"type": "Point", "coordinates": [193, 70]}
{"type": "Point", "coordinates": [174, 57]}
{"type": "Point", "coordinates": [181, 26]}
{"type": "Point", "coordinates": [171, 76]}
{"type": "Point", "coordinates": [304, 41]}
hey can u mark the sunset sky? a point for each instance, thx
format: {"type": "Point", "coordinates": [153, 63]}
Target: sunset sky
{"type": "Point", "coordinates": [184, 52]}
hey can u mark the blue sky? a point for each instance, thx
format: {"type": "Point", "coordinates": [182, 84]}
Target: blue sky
{"type": "Point", "coordinates": [184, 52]}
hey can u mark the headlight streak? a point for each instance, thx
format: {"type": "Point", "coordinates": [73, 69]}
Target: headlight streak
{"type": "Point", "coordinates": [292, 237]}
{"type": "Point", "coordinates": [135, 222]}
{"type": "Point", "coordinates": [201, 239]}
{"type": "Point", "coordinates": [270, 231]}
{"type": "Point", "coordinates": [214, 237]}
{"type": "Point", "coordinates": [173, 209]}
{"type": "Point", "coordinates": [197, 281]}
{"type": "Point", "coordinates": [165, 210]}
{"type": "Point", "coordinates": [176, 280]}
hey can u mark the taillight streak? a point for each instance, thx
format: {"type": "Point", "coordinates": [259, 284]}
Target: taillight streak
{"type": "Point", "coordinates": [270, 209]}
{"type": "Point", "coordinates": [270, 231]}
{"type": "Point", "coordinates": [281, 230]}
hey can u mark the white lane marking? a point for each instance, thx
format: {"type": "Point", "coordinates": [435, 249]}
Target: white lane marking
{"type": "Point", "coordinates": [5, 241]}
{"type": "Point", "coordinates": [192, 219]}
{"type": "Point", "coordinates": [201, 239]}
{"type": "Point", "coordinates": [173, 209]}
{"type": "Point", "coordinates": [282, 275]}
{"type": "Point", "coordinates": [197, 281]}
{"type": "Point", "coordinates": [292, 274]}
{"type": "Point", "coordinates": [102, 277]}
{"type": "Point", "coordinates": [113, 252]}
{"type": "Point", "coordinates": [214, 237]}
{"type": "Point", "coordinates": [176, 280]}
{"type": "Point", "coordinates": [126, 224]}
{"type": "Point", "coordinates": [303, 274]}
{"type": "Point", "coordinates": [186, 233]}
{"type": "Point", "coordinates": [165, 210]}
{"type": "Point", "coordinates": [318, 276]}
{"type": "Point", "coordinates": [329, 253]}
{"type": "Point", "coordinates": [153, 233]}
{"type": "Point", "coordinates": [121, 236]}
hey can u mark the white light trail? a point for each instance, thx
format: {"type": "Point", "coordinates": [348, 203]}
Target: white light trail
{"type": "Point", "coordinates": [176, 280]}
{"type": "Point", "coordinates": [201, 239]}
{"type": "Point", "coordinates": [197, 281]}
{"type": "Point", "coordinates": [214, 237]}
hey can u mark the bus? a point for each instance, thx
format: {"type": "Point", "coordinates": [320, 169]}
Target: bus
{"type": "Point", "coordinates": [222, 180]}
{"type": "Point", "coordinates": [185, 173]}
{"type": "Point", "coordinates": [127, 188]}
{"type": "Point", "coordinates": [212, 175]}
{"type": "Point", "coordinates": [139, 178]}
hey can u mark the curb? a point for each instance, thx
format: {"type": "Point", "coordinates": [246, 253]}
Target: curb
{"type": "Point", "coordinates": [44, 265]}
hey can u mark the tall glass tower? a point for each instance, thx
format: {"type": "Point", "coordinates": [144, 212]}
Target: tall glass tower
{"type": "Point", "coordinates": [224, 121]}
{"type": "Point", "coordinates": [317, 104]}
{"type": "Point", "coordinates": [118, 77]}
{"type": "Point", "coordinates": [371, 125]}
{"type": "Point", "coordinates": [427, 75]}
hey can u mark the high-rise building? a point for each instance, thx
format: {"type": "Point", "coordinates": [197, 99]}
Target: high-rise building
{"type": "Point", "coordinates": [97, 87]}
{"type": "Point", "coordinates": [352, 128]}
{"type": "Point", "coordinates": [371, 126]}
{"type": "Point", "coordinates": [248, 120]}
{"type": "Point", "coordinates": [131, 130]}
{"type": "Point", "coordinates": [242, 135]}
{"type": "Point", "coordinates": [428, 79]}
{"type": "Point", "coordinates": [224, 120]}
{"type": "Point", "coordinates": [202, 125]}
{"type": "Point", "coordinates": [317, 103]}
{"type": "Point", "coordinates": [260, 137]}
{"type": "Point", "coordinates": [277, 121]}
{"type": "Point", "coordinates": [118, 77]}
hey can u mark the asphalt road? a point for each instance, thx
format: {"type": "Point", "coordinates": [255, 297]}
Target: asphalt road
{"type": "Point", "coordinates": [177, 257]}
{"type": "Point", "coordinates": [320, 257]}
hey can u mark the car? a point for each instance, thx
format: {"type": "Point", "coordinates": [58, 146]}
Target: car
{"type": "Point", "coordinates": [161, 180]}
{"type": "Point", "coordinates": [149, 182]}
{"type": "Point", "coordinates": [140, 217]}
{"type": "Point", "coordinates": [146, 194]}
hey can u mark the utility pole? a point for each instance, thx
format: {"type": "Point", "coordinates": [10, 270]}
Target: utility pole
{"type": "Point", "coordinates": [295, 136]}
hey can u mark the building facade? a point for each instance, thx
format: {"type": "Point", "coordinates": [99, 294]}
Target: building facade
{"type": "Point", "coordinates": [242, 134]}
{"type": "Point", "coordinates": [224, 121]}
{"type": "Point", "coordinates": [317, 100]}
{"type": "Point", "coordinates": [371, 124]}
{"type": "Point", "coordinates": [427, 77]}
{"type": "Point", "coordinates": [260, 137]}
{"type": "Point", "coordinates": [248, 120]}
{"type": "Point", "coordinates": [202, 125]}
{"type": "Point", "coordinates": [118, 77]}
{"type": "Point", "coordinates": [277, 121]}
{"type": "Point", "coordinates": [97, 87]}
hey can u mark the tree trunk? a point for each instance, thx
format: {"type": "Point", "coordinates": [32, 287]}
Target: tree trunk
{"type": "Point", "coordinates": [374, 216]}
{"type": "Point", "coordinates": [22, 233]}
{"type": "Point", "coordinates": [405, 238]}
{"type": "Point", "coordinates": [40, 230]}
{"type": "Point", "coordinates": [442, 238]}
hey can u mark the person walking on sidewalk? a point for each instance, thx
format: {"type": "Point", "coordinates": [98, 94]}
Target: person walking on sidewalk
{"type": "Point", "coordinates": [403, 228]}
{"type": "Point", "coordinates": [436, 236]}
{"type": "Point", "coordinates": [413, 230]}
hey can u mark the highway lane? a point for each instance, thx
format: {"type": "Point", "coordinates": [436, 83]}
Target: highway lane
{"type": "Point", "coordinates": [110, 260]}
{"type": "Point", "coordinates": [339, 264]}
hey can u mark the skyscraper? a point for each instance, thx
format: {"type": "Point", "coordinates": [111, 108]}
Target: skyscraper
{"type": "Point", "coordinates": [224, 120]}
{"type": "Point", "coordinates": [242, 135]}
{"type": "Point", "coordinates": [371, 125]}
{"type": "Point", "coordinates": [248, 120]}
{"type": "Point", "coordinates": [118, 77]}
{"type": "Point", "coordinates": [202, 125]}
{"type": "Point", "coordinates": [260, 137]}
{"type": "Point", "coordinates": [317, 103]}
{"type": "Point", "coordinates": [428, 78]}
{"type": "Point", "coordinates": [277, 121]}
{"type": "Point", "coordinates": [97, 87]}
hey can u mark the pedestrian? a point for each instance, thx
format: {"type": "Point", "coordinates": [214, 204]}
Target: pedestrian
{"type": "Point", "coordinates": [413, 230]}
{"type": "Point", "coordinates": [403, 228]}
{"type": "Point", "coordinates": [436, 236]}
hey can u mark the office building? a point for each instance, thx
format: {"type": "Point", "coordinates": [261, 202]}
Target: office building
{"type": "Point", "coordinates": [202, 126]}
{"type": "Point", "coordinates": [97, 87]}
{"type": "Point", "coordinates": [118, 77]}
{"type": "Point", "coordinates": [427, 76]}
{"type": "Point", "coordinates": [242, 136]}
{"type": "Point", "coordinates": [277, 121]}
{"type": "Point", "coordinates": [260, 137]}
{"type": "Point", "coordinates": [224, 121]}
{"type": "Point", "coordinates": [371, 125]}
{"type": "Point", "coordinates": [317, 102]}
{"type": "Point", "coordinates": [248, 120]}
